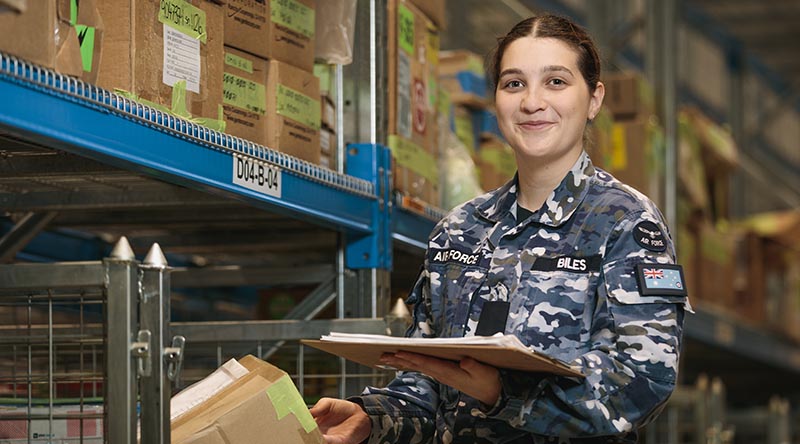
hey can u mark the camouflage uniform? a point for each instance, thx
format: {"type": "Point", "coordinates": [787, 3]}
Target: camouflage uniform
{"type": "Point", "coordinates": [588, 313]}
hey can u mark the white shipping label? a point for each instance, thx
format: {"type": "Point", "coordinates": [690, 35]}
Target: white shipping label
{"type": "Point", "coordinates": [257, 176]}
{"type": "Point", "coordinates": [181, 59]}
{"type": "Point", "coordinates": [403, 95]}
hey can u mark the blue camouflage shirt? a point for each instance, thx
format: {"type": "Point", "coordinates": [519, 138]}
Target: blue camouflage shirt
{"type": "Point", "coordinates": [581, 276]}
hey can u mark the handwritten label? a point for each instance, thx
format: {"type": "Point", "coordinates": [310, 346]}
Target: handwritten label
{"type": "Point", "coordinates": [298, 107]}
{"type": "Point", "coordinates": [181, 59]}
{"type": "Point", "coordinates": [243, 93]}
{"type": "Point", "coordinates": [293, 15]}
{"type": "Point", "coordinates": [405, 29]}
{"type": "Point", "coordinates": [257, 176]}
{"type": "Point", "coordinates": [239, 62]}
{"type": "Point", "coordinates": [183, 16]}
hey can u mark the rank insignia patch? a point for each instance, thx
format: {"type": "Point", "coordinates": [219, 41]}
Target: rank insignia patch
{"type": "Point", "coordinates": [660, 280]}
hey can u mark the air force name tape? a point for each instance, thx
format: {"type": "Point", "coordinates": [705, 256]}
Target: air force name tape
{"type": "Point", "coordinates": [648, 235]}
{"type": "Point", "coordinates": [660, 280]}
{"type": "Point", "coordinates": [445, 256]}
{"type": "Point", "coordinates": [572, 264]}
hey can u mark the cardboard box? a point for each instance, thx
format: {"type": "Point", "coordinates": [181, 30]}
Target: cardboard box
{"type": "Point", "coordinates": [244, 95]}
{"type": "Point", "coordinates": [461, 74]}
{"type": "Point", "coordinates": [43, 35]}
{"type": "Point", "coordinates": [146, 56]}
{"type": "Point", "coordinates": [413, 95]}
{"type": "Point", "coordinates": [718, 269]}
{"type": "Point", "coordinates": [628, 95]}
{"type": "Point", "coordinates": [273, 29]}
{"type": "Point", "coordinates": [293, 111]}
{"type": "Point", "coordinates": [262, 402]}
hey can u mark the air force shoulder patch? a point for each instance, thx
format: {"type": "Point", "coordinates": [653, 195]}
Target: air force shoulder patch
{"type": "Point", "coordinates": [648, 235]}
{"type": "Point", "coordinates": [660, 280]}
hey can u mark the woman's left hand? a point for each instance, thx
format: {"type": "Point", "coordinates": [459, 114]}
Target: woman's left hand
{"type": "Point", "coordinates": [469, 376]}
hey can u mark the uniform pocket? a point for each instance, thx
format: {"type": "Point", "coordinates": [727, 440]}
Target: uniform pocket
{"type": "Point", "coordinates": [451, 293]}
{"type": "Point", "coordinates": [552, 310]}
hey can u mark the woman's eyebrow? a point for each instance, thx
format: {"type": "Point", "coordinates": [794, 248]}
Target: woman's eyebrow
{"type": "Point", "coordinates": [514, 71]}
{"type": "Point", "coordinates": [557, 68]}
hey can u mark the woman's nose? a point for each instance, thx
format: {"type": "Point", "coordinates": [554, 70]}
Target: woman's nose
{"type": "Point", "coordinates": [532, 101]}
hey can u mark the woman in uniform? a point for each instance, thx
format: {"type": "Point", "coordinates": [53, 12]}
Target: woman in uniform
{"type": "Point", "coordinates": [576, 264]}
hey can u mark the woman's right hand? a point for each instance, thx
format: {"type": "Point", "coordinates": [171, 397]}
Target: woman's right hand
{"type": "Point", "coordinates": [341, 422]}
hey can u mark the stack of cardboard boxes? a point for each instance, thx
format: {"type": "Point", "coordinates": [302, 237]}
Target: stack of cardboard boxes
{"type": "Point", "coordinates": [625, 139]}
{"type": "Point", "coordinates": [271, 95]}
{"type": "Point", "coordinates": [242, 66]}
{"type": "Point", "coordinates": [413, 95]}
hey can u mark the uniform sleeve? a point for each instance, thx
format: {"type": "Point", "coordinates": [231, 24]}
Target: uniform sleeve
{"type": "Point", "coordinates": [404, 411]}
{"type": "Point", "coordinates": [631, 363]}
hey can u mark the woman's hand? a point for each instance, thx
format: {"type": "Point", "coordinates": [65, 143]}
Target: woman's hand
{"type": "Point", "coordinates": [340, 421]}
{"type": "Point", "coordinates": [469, 376]}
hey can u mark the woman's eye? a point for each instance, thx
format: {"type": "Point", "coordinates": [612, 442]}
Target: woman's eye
{"type": "Point", "coordinates": [557, 82]}
{"type": "Point", "coordinates": [513, 84]}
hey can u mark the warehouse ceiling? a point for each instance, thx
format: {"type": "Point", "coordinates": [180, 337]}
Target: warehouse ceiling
{"type": "Point", "coordinates": [768, 29]}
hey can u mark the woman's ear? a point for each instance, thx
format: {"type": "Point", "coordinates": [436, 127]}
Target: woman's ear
{"type": "Point", "coordinates": [596, 100]}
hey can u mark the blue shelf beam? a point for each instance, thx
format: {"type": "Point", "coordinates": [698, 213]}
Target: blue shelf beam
{"type": "Point", "coordinates": [62, 113]}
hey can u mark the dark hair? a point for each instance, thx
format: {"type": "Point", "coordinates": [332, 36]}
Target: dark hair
{"type": "Point", "coordinates": [552, 26]}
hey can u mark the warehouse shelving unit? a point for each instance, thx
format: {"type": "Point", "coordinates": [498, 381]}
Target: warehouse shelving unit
{"type": "Point", "coordinates": [66, 146]}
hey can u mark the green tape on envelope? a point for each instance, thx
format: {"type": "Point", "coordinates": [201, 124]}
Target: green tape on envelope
{"type": "Point", "coordinates": [286, 399]}
{"type": "Point", "coordinates": [184, 17]}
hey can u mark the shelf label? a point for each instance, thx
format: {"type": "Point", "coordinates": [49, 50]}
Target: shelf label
{"type": "Point", "coordinates": [258, 176]}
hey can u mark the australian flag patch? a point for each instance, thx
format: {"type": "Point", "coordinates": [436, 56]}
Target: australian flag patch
{"type": "Point", "coordinates": [660, 280]}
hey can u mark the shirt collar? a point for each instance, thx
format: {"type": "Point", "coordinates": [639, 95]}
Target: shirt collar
{"type": "Point", "coordinates": [558, 207]}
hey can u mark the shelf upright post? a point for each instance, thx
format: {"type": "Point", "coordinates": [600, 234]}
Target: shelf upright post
{"type": "Point", "coordinates": [154, 312]}
{"type": "Point", "coordinates": [120, 397]}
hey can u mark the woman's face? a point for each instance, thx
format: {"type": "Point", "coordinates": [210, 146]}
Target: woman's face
{"type": "Point", "coordinates": [542, 99]}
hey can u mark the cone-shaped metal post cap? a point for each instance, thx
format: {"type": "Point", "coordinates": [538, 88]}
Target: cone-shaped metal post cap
{"type": "Point", "coordinates": [400, 309]}
{"type": "Point", "coordinates": [155, 257]}
{"type": "Point", "coordinates": [122, 250]}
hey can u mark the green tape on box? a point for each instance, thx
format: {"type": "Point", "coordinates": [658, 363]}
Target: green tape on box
{"type": "Point", "coordinates": [405, 29]}
{"type": "Point", "coordinates": [86, 35]}
{"type": "Point", "coordinates": [243, 93]}
{"type": "Point", "coordinates": [298, 107]}
{"type": "Point", "coordinates": [184, 17]}
{"type": "Point", "coordinates": [73, 12]}
{"type": "Point", "coordinates": [413, 157]}
{"type": "Point", "coordinates": [239, 62]}
{"type": "Point", "coordinates": [286, 399]}
{"type": "Point", "coordinates": [293, 15]}
{"type": "Point", "coordinates": [178, 109]}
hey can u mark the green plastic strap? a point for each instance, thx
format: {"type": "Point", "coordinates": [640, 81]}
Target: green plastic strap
{"type": "Point", "coordinates": [286, 399]}
{"type": "Point", "coordinates": [298, 107]}
{"type": "Point", "coordinates": [184, 17]}
{"type": "Point", "coordinates": [413, 157]}
{"type": "Point", "coordinates": [405, 29]}
{"type": "Point", "coordinates": [86, 35]}
{"type": "Point", "coordinates": [239, 62]}
{"type": "Point", "coordinates": [243, 93]}
{"type": "Point", "coordinates": [293, 15]}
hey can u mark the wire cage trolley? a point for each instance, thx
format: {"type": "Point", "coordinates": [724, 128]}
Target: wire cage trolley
{"type": "Point", "coordinates": [85, 353]}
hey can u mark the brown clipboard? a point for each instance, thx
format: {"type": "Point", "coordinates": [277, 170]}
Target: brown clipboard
{"type": "Point", "coordinates": [501, 357]}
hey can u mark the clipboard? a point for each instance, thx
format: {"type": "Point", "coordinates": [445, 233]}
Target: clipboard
{"type": "Point", "coordinates": [511, 358]}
